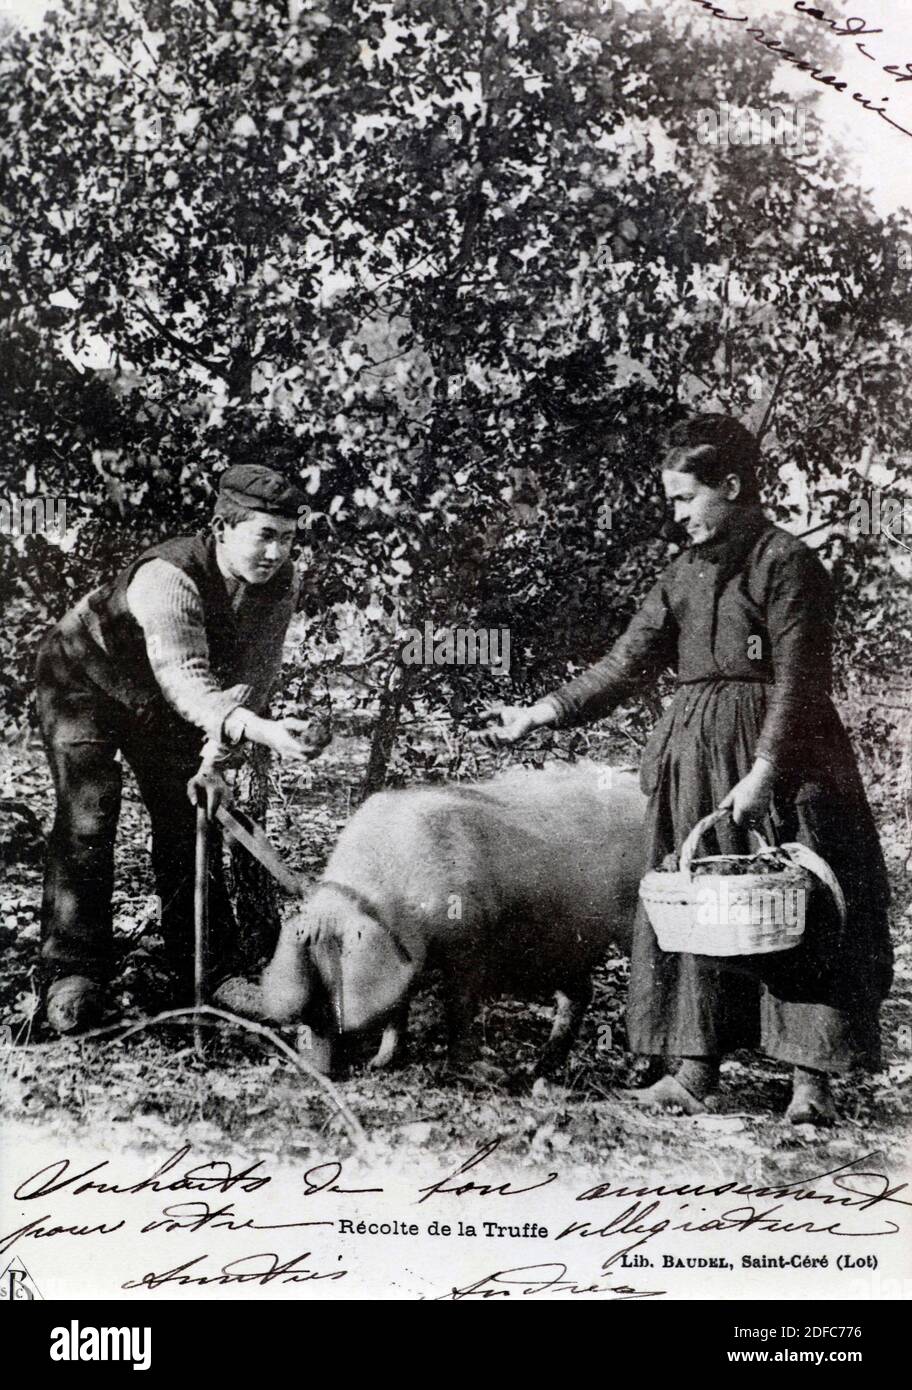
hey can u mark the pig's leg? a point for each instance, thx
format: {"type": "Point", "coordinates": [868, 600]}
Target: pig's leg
{"type": "Point", "coordinates": [461, 1002]}
{"type": "Point", "coordinates": [568, 1015]}
{"type": "Point", "coordinates": [463, 991]}
{"type": "Point", "coordinates": [392, 1044]}
{"type": "Point", "coordinates": [319, 1049]}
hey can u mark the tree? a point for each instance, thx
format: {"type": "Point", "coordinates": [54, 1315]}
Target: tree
{"type": "Point", "coordinates": [462, 261]}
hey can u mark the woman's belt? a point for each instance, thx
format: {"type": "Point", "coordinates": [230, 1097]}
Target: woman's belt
{"type": "Point", "coordinates": [700, 683]}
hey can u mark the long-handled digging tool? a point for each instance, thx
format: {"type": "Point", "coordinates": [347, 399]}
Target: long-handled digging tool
{"type": "Point", "coordinates": [243, 829]}
{"type": "Point", "coordinates": [200, 916]}
{"type": "Point", "coordinates": [255, 840]}
{"type": "Point", "coordinates": [246, 832]}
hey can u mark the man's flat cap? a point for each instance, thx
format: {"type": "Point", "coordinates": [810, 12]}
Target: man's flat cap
{"type": "Point", "coordinates": [259, 489]}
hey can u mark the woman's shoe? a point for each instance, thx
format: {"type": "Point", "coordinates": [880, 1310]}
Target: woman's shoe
{"type": "Point", "coordinates": [812, 1101]}
{"type": "Point", "coordinates": [692, 1088]}
{"type": "Point", "coordinates": [73, 1004]}
{"type": "Point", "coordinates": [668, 1094]}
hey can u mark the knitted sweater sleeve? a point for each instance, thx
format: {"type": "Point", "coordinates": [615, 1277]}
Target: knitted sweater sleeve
{"type": "Point", "coordinates": [167, 605]}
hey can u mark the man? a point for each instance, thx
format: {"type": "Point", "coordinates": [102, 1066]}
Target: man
{"type": "Point", "coordinates": [183, 646]}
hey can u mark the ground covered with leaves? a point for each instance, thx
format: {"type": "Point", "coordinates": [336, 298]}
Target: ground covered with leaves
{"type": "Point", "coordinates": [155, 1089]}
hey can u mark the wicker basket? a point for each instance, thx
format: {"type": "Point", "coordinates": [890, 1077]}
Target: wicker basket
{"type": "Point", "coordinates": [724, 914]}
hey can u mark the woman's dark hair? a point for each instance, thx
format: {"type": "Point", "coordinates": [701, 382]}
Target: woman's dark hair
{"type": "Point", "coordinates": [711, 447]}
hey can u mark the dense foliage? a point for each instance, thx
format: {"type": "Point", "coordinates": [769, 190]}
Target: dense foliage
{"type": "Point", "coordinates": [455, 263]}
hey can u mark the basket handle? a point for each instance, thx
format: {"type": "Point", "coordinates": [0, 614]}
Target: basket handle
{"type": "Point", "coordinates": [690, 844]}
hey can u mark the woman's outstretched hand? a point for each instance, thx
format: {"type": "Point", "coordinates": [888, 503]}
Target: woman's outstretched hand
{"type": "Point", "coordinates": [749, 799]}
{"type": "Point", "coordinates": [518, 720]}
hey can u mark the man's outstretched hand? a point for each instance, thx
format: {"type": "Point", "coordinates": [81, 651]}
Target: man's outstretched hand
{"type": "Point", "coordinates": [296, 739]}
{"type": "Point", "coordinates": [317, 734]}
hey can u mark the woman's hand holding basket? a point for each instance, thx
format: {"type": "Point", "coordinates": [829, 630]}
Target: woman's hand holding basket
{"type": "Point", "coordinates": [749, 799]}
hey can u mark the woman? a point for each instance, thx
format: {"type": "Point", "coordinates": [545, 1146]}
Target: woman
{"type": "Point", "coordinates": [745, 616]}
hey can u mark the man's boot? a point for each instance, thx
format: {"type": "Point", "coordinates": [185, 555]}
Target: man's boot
{"type": "Point", "coordinates": [73, 1004]}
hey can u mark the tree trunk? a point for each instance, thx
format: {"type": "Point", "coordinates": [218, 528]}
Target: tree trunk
{"type": "Point", "coordinates": [398, 680]}
{"type": "Point", "coordinates": [253, 889]}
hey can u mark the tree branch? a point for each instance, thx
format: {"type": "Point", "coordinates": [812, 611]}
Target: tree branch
{"type": "Point", "coordinates": [126, 66]}
{"type": "Point", "coordinates": [768, 413]}
{"type": "Point", "coordinates": [207, 1011]}
{"type": "Point", "coordinates": [220, 369]}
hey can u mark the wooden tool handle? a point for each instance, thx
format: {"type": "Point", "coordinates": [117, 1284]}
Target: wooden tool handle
{"type": "Point", "coordinates": [200, 904]}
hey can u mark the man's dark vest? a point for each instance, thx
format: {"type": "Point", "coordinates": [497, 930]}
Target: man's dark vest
{"type": "Point", "coordinates": [123, 670]}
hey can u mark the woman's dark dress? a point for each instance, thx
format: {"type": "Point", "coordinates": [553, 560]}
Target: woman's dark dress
{"type": "Point", "coordinates": [748, 624]}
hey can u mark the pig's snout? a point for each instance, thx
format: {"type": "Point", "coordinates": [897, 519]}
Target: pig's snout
{"type": "Point", "coordinates": [367, 975]}
{"type": "Point", "coordinates": [288, 980]}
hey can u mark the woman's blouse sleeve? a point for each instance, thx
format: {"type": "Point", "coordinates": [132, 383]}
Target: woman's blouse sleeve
{"type": "Point", "coordinates": [799, 620]}
{"type": "Point", "coordinates": [648, 645]}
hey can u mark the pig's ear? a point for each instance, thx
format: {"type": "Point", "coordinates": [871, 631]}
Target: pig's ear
{"type": "Point", "coordinates": [287, 981]}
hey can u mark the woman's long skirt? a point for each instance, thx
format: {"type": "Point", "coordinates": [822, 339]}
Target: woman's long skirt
{"type": "Point", "coordinates": [817, 1004]}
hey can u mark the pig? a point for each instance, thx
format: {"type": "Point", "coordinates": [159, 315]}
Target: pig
{"type": "Point", "coordinates": [517, 885]}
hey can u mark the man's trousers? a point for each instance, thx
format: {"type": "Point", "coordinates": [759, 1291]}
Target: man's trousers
{"type": "Point", "coordinates": [83, 729]}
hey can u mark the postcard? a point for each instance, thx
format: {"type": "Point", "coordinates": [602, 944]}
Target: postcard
{"type": "Point", "coordinates": [456, 695]}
